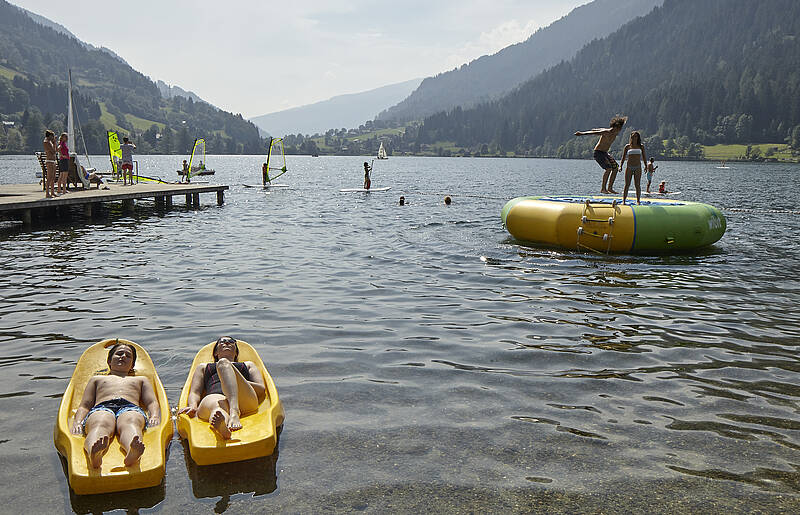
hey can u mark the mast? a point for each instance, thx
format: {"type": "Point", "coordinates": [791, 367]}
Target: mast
{"type": "Point", "coordinates": [70, 122]}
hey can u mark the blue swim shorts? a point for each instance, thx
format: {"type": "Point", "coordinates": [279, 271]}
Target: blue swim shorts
{"type": "Point", "coordinates": [650, 176]}
{"type": "Point", "coordinates": [605, 160]}
{"type": "Point", "coordinates": [116, 407]}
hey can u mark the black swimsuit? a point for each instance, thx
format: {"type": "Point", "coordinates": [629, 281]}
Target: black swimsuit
{"type": "Point", "coordinates": [211, 380]}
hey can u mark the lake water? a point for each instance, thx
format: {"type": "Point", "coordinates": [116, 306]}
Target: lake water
{"type": "Point", "coordinates": [427, 362]}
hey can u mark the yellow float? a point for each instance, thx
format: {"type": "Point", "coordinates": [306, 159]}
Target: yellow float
{"type": "Point", "coordinates": [604, 224]}
{"type": "Point", "coordinates": [259, 433]}
{"type": "Point", "coordinates": [113, 475]}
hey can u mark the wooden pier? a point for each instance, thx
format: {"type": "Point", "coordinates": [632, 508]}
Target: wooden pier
{"type": "Point", "coordinates": [25, 201]}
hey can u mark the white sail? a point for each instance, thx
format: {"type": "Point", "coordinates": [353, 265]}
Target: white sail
{"type": "Point", "coordinates": [382, 152]}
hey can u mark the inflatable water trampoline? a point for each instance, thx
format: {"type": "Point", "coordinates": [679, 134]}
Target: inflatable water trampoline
{"type": "Point", "coordinates": [604, 224]}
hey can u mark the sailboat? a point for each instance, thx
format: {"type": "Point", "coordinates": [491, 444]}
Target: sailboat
{"type": "Point", "coordinates": [382, 152]}
{"type": "Point", "coordinates": [197, 161]}
{"type": "Point", "coordinates": [82, 175]}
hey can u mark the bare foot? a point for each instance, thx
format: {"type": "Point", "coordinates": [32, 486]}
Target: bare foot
{"type": "Point", "coordinates": [217, 423]}
{"type": "Point", "coordinates": [135, 452]}
{"type": "Point", "coordinates": [612, 191]}
{"type": "Point", "coordinates": [603, 191]}
{"type": "Point", "coordinates": [233, 422]}
{"type": "Point", "coordinates": [99, 448]}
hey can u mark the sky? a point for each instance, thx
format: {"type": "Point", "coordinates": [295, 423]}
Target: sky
{"type": "Point", "coordinates": [260, 56]}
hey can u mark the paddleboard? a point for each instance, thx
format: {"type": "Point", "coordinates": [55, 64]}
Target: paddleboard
{"type": "Point", "coordinates": [362, 190]}
{"type": "Point", "coordinates": [657, 194]}
{"type": "Point", "coordinates": [259, 433]}
{"type": "Point", "coordinates": [113, 476]}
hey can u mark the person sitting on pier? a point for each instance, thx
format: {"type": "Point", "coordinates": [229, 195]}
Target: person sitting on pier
{"type": "Point", "coordinates": [111, 404]}
{"type": "Point", "coordinates": [223, 391]}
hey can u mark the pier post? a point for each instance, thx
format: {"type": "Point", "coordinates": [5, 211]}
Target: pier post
{"type": "Point", "coordinates": [188, 200]}
{"type": "Point", "coordinates": [196, 199]}
{"type": "Point", "coordinates": [87, 210]}
{"type": "Point", "coordinates": [169, 201]}
{"type": "Point", "coordinates": [159, 202]}
{"type": "Point", "coordinates": [26, 216]}
{"type": "Point", "coordinates": [220, 197]}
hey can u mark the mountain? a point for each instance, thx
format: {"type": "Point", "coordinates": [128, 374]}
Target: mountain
{"type": "Point", "coordinates": [168, 91]}
{"type": "Point", "coordinates": [697, 71]}
{"type": "Point", "coordinates": [63, 30]}
{"type": "Point", "coordinates": [108, 93]}
{"type": "Point", "coordinates": [341, 111]}
{"type": "Point", "coordinates": [490, 77]}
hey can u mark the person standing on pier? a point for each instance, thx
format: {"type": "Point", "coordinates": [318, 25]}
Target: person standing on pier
{"type": "Point", "coordinates": [127, 149]}
{"type": "Point", "coordinates": [50, 163]}
{"type": "Point", "coordinates": [63, 163]}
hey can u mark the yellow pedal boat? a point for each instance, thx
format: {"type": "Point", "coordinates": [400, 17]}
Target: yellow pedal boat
{"type": "Point", "coordinates": [259, 433]}
{"type": "Point", "coordinates": [113, 475]}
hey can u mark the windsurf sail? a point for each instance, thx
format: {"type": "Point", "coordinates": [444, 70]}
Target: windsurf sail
{"type": "Point", "coordinates": [275, 147]}
{"type": "Point", "coordinates": [197, 161]}
{"type": "Point", "coordinates": [382, 152]}
{"type": "Point", "coordinates": [144, 178]}
{"type": "Point", "coordinates": [114, 152]}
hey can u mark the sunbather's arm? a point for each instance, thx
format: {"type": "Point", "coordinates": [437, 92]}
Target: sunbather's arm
{"type": "Point", "coordinates": [87, 403]}
{"type": "Point", "coordinates": [150, 401]}
{"type": "Point", "coordinates": [257, 381]}
{"type": "Point", "coordinates": [195, 392]}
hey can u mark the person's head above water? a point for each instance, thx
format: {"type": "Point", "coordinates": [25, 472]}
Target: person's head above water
{"type": "Point", "coordinates": [226, 341]}
{"type": "Point", "coordinates": [402, 200]}
{"type": "Point", "coordinates": [448, 200]}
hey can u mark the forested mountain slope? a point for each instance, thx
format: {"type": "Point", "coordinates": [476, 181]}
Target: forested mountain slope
{"type": "Point", "coordinates": [710, 70]}
{"type": "Point", "coordinates": [489, 77]}
{"type": "Point", "coordinates": [109, 95]}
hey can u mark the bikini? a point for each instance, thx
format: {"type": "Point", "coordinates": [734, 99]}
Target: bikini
{"type": "Point", "coordinates": [634, 152]}
{"type": "Point", "coordinates": [211, 381]}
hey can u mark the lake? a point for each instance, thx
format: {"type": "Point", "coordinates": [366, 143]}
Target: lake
{"type": "Point", "coordinates": [427, 361]}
